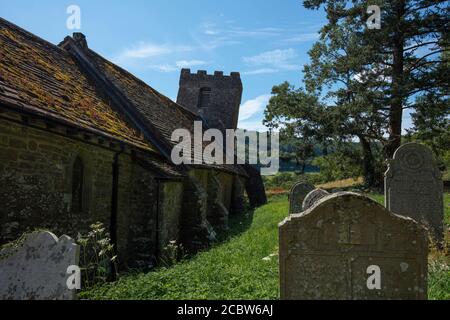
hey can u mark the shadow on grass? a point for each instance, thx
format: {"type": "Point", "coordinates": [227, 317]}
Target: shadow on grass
{"type": "Point", "coordinates": [238, 224]}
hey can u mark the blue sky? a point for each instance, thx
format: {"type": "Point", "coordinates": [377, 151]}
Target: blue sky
{"type": "Point", "coordinates": [266, 41]}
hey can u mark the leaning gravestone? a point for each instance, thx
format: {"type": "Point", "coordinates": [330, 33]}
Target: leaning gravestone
{"type": "Point", "coordinates": [313, 197]}
{"type": "Point", "coordinates": [297, 195]}
{"type": "Point", "coordinates": [349, 247]}
{"type": "Point", "coordinates": [414, 188]}
{"type": "Point", "coordinates": [36, 268]}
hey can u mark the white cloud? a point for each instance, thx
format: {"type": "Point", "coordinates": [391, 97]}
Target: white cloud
{"type": "Point", "coordinates": [217, 33]}
{"type": "Point", "coordinates": [260, 71]}
{"type": "Point", "coordinates": [253, 126]}
{"type": "Point", "coordinates": [228, 34]}
{"type": "Point", "coordinates": [306, 37]}
{"type": "Point", "coordinates": [252, 107]}
{"type": "Point", "coordinates": [166, 68]}
{"type": "Point", "coordinates": [211, 32]}
{"type": "Point", "coordinates": [274, 57]}
{"type": "Point", "coordinates": [189, 63]}
{"type": "Point", "coordinates": [145, 50]}
{"type": "Point", "coordinates": [255, 33]}
{"type": "Point", "coordinates": [272, 61]}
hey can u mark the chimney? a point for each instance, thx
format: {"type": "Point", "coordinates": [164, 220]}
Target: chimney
{"type": "Point", "coordinates": [80, 40]}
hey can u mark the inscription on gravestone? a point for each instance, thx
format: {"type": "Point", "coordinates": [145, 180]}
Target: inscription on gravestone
{"type": "Point", "coordinates": [313, 197]}
{"type": "Point", "coordinates": [414, 188]}
{"type": "Point", "coordinates": [297, 195]}
{"type": "Point", "coordinates": [350, 247]}
{"type": "Point", "coordinates": [36, 268]}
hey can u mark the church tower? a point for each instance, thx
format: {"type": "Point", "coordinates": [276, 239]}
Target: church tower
{"type": "Point", "coordinates": [216, 98]}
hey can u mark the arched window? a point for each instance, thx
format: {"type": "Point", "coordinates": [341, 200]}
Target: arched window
{"type": "Point", "coordinates": [204, 98]}
{"type": "Point", "coordinates": [77, 185]}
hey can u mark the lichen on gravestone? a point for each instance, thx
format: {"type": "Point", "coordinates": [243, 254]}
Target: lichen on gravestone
{"type": "Point", "coordinates": [414, 188]}
{"type": "Point", "coordinates": [297, 195]}
{"type": "Point", "coordinates": [348, 246]}
{"type": "Point", "coordinates": [35, 267]}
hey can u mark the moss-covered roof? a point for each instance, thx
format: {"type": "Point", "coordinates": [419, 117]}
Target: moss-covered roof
{"type": "Point", "coordinates": [160, 111]}
{"type": "Point", "coordinates": [41, 77]}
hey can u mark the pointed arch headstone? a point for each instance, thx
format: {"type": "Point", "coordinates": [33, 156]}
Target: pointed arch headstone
{"type": "Point", "coordinates": [414, 188]}
{"type": "Point", "coordinates": [297, 195]}
{"type": "Point", "coordinates": [36, 267]}
{"type": "Point", "coordinates": [349, 247]}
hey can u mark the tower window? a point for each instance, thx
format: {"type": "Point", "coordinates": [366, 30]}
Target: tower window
{"type": "Point", "coordinates": [77, 185]}
{"type": "Point", "coordinates": [204, 98]}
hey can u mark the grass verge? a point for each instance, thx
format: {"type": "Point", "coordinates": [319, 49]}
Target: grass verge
{"type": "Point", "coordinates": [243, 267]}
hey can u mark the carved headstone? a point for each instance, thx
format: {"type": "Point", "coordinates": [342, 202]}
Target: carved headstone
{"type": "Point", "coordinates": [313, 197]}
{"type": "Point", "coordinates": [349, 247]}
{"type": "Point", "coordinates": [414, 188]}
{"type": "Point", "coordinates": [35, 268]}
{"type": "Point", "coordinates": [297, 195]}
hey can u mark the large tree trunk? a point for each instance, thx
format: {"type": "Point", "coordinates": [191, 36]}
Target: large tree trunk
{"type": "Point", "coordinates": [368, 162]}
{"type": "Point", "coordinates": [397, 94]}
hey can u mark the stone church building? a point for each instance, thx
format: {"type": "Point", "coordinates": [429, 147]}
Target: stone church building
{"type": "Point", "coordinates": [82, 140]}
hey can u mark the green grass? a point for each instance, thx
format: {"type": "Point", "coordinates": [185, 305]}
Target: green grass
{"type": "Point", "coordinates": [237, 269]}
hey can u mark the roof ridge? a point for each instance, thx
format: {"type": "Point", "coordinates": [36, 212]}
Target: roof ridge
{"type": "Point", "coordinates": [156, 92]}
{"type": "Point", "coordinates": [117, 96]}
{"type": "Point", "coordinates": [12, 25]}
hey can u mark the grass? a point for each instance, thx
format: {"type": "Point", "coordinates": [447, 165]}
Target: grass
{"type": "Point", "coordinates": [244, 267]}
{"type": "Point", "coordinates": [341, 184]}
{"type": "Point", "coordinates": [281, 183]}
{"type": "Point", "coordinates": [232, 270]}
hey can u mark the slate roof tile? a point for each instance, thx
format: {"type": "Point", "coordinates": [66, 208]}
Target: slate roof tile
{"type": "Point", "coordinates": [39, 76]}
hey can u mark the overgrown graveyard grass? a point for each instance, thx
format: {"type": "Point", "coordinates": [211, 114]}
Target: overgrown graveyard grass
{"type": "Point", "coordinates": [342, 184]}
{"type": "Point", "coordinates": [439, 262]}
{"type": "Point", "coordinates": [234, 269]}
{"type": "Point", "coordinates": [242, 267]}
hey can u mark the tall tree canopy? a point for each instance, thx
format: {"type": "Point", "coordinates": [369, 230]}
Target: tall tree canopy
{"type": "Point", "coordinates": [360, 80]}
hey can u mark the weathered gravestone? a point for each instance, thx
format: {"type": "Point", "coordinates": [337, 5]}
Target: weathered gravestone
{"type": "Point", "coordinates": [297, 195]}
{"type": "Point", "coordinates": [35, 268]}
{"type": "Point", "coordinates": [414, 188]}
{"type": "Point", "coordinates": [313, 197]}
{"type": "Point", "coordinates": [350, 247]}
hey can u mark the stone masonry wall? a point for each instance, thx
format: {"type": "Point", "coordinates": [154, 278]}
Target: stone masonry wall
{"type": "Point", "coordinates": [222, 111]}
{"type": "Point", "coordinates": [36, 191]}
{"type": "Point", "coordinates": [217, 212]}
{"type": "Point", "coordinates": [204, 212]}
{"type": "Point", "coordinates": [138, 212]}
{"type": "Point", "coordinates": [196, 231]}
{"type": "Point", "coordinates": [226, 182]}
{"type": "Point", "coordinates": [238, 202]}
{"type": "Point", "coordinates": [35, 182]}
{"type": "Point", "coordinates": [171, 208]}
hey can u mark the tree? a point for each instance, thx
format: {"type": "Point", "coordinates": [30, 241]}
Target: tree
{"type": "Point", "coordinates": [335, 105]}
{"type": "Point", "coordinates": [300, 150]}
{"type": "Point", "coordinates": [432, 126]}
{"type": "Point", "coordinates": [360, 81]}
{"type": "Point", "coordinates": [431, 118]}
{"type": "Point", "coordinates": [404, 58]}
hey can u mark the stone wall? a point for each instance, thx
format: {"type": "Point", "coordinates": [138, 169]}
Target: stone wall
{"type": "Point", "coordinates": [138, 215]}
{"type": "Point", "coordinates": [217, 211]}
{"type": "Point", "coordinates": [171, 208]}
{"type": "Point", "coordinates": [208, 198]}
{"type": "Point", "coordinates": [36, 178]}
{"type": "Point", "coordinates": [222, 111]}
{"type": "Point", "coordinates": [238, 202]}
{"type": "Point", "coordinates": [226, 182]}
{"type": "Point", "coordinates": [196, 231]}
